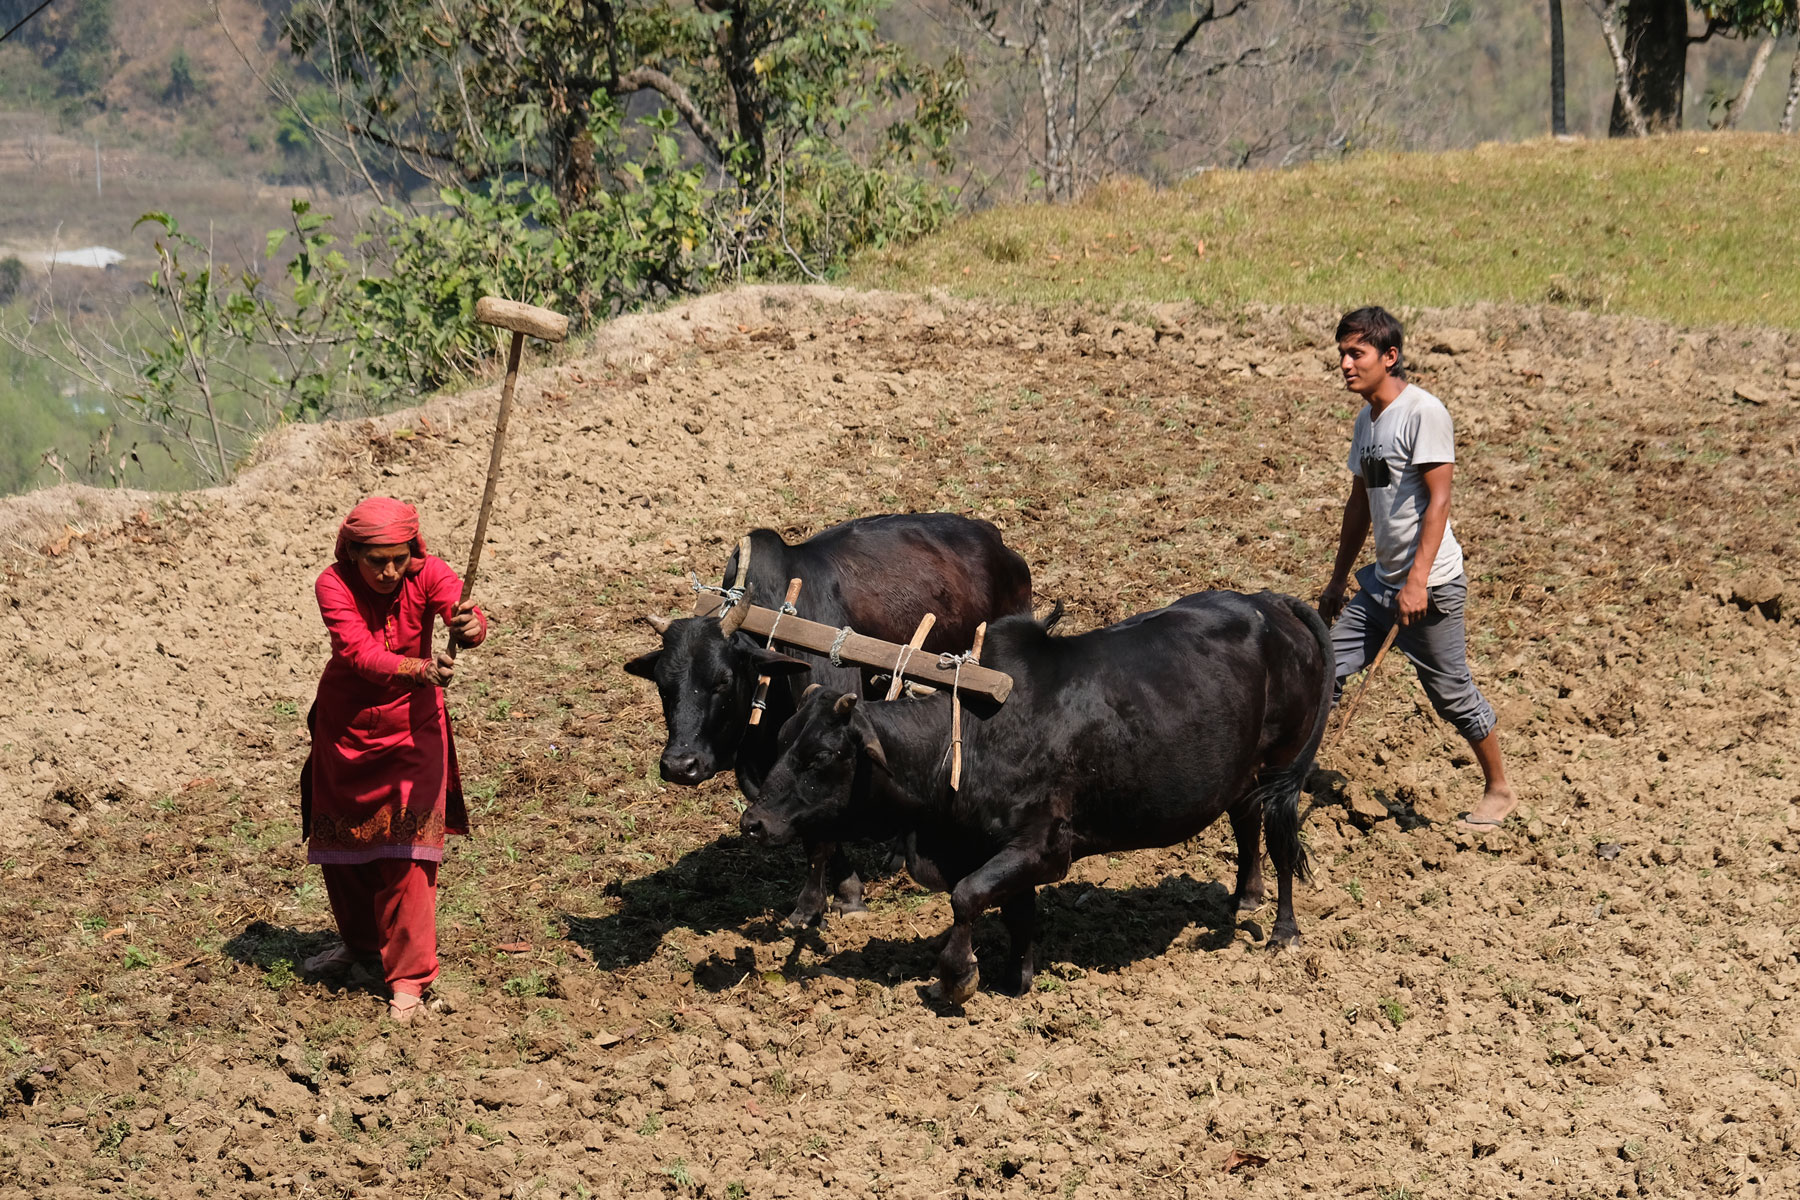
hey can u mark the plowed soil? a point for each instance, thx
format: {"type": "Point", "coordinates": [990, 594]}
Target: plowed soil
{"type": "Point", "coordinates": [1599, 999]}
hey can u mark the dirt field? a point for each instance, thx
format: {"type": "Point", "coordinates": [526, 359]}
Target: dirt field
{"type": "Point", "coordinates": [1599, 1000]}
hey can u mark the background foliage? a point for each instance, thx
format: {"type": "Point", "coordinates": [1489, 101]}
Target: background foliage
{"type": "Point", "coordinates": [597, 157]}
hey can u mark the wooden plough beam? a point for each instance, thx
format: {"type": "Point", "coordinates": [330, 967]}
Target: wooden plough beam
{"type": "Point", "coordinates": [865, 651]}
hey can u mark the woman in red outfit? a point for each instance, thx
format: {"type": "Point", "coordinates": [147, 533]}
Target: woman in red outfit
{"type": "Point", "coordinates": [381, 788]}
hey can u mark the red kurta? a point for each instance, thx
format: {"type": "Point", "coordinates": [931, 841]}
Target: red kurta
{"type": "Point", "coordinates": [382, 780]}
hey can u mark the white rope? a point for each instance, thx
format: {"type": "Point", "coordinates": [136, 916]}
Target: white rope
{"type": "Point", "coordinates": [761, 702]}
{"type": "Point", "coordinates": [732, 596]}
{"type": "Point", "coordinates": [837, 644]}
{"type": "Point", "coordinates": [945, 661]}
{"type": "Point", "coordinates": [906, 652]}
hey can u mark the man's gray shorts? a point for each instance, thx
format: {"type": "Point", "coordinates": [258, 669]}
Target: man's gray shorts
{"type": "Point", "coordinates": [1437, 646]}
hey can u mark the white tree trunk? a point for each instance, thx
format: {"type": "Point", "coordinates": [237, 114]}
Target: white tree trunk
{"type": "Point", "coordinates": [1793, 96]}
{"type": "Point", "coordinates": [1734, 108]}
{"type": "Point", "coordinates": [1609, 28]}
{"type": "Point", "coordinates": [1058, 184]}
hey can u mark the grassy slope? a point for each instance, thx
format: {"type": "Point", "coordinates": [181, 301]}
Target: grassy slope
{"type": "Point", "coordinates": [1697, 229]}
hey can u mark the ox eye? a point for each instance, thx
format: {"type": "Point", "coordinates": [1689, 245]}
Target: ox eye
{"type": "Point", "coordinates": [723, 686]}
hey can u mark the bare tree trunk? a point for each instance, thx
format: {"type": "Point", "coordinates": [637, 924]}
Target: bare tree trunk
{"type": "Point", "coordinates": [1655, 48]}
{"type": "Point", "coordinates": [1056, 159]}
{"type": "Point", "coordinates": [1734, 107]}
{"type": "Point", "coordinates": [1624, 98]}
{"type": "Point", "coordinates": [1793, 96]}
{"type": "Point", "coordinates": [1075, 108]}
{"type": "Point", "coordinates": [1559, 122]}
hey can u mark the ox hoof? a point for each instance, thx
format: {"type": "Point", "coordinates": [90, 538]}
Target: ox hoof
{"type": "Point", "coordinates": [956, 991]}
{"type": "Point", "coordinates": [1284, 941]}
{"type": "Point", "coordinates": [851, 908]}
{"type": "Point", "coordinates": [1249, 904]}
{"type": "Point", "coordinates": [801, 919]}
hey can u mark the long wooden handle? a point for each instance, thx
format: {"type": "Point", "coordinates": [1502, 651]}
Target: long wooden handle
{"type": "Point", "coordinates": [761, 700]}
{"type": "Point", "coordinates": [493, 473]}
{"type": "Point", "coordinates": [918, 639]}
{"type": "Point", "coordinates": [956, 713]}
{"type": "Point", "coordinates": [1350, 710]}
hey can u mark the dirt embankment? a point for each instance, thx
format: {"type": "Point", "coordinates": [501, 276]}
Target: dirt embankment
{"type": "Point", "coordinates": [1598, 1000]}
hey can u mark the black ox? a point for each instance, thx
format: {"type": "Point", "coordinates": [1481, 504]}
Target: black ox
{"type": "Point", "coordinates": [879, 575]}
{"type": "Point", "coordinates": [1132, 736]}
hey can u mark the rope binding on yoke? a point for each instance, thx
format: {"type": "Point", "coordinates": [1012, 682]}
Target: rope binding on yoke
{"type": "Point", "coordinates": [900, 660]}
{"type": "Point", "coordinates": [759, 702]}
{"type": "Point", "coordinates": [972, 654]}
{"type": "Point", "coordinates": [953, 752]}
{"type": "Point", "coordinates": [732, 596]}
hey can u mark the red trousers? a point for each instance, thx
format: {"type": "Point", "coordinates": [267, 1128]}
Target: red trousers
{"type": "Point", "coordinates": [389, 907]}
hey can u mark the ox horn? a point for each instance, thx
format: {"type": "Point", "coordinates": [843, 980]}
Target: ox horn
{"type": "Point", "coordinates": [810, 689]}
{"type": "Point", "coordinates": [728, 624]}
{"type": "Point", "coordinates": [657, 622]}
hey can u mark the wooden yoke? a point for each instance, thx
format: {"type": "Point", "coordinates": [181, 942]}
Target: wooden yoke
{"type": "Point", "coordinates": [864, 651]}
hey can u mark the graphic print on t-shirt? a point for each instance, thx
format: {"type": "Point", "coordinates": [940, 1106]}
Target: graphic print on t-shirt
{"type": "Point", "coordinates": [1375, 473]}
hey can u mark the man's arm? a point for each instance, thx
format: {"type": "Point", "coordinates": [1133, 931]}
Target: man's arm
{"type": "Point", "coordinates": [1414, 600]}
{"type": "Point", "coordinates": [1351, 534]}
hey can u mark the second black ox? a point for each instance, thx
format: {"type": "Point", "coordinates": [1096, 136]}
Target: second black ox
{"type": "Point", "coordinates": [879, 575]}
{"type": "Point", "coordinates": [1137, 735]}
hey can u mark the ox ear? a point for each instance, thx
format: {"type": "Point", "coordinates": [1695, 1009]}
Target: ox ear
{"type": "Point", "coordinates": [871, 742]}
{"type": "Point", "coordinates": [644, 665]}
{"type": "Point", "coordinates": [859, 724]}
{"type": "Point", "coordinates": [771, 663]}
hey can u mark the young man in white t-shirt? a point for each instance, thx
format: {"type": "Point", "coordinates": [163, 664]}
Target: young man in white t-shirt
{"type": "Point", "coordinates": [1402, 457]}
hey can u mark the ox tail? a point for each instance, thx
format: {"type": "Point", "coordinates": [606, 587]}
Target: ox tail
{"type": "Point", "coordinates": [1279, 792]}
{"type": "Point", "coordinates": [1050, 619]}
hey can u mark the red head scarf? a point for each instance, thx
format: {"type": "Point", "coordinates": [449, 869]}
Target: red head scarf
{"type": "Point", "coordinates": [380, 521]}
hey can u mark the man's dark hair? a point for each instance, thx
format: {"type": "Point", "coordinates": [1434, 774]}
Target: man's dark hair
{"type": "Point", "coordinates": [1379, 328]}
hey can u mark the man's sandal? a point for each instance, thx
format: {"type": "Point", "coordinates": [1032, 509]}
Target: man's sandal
{"type": "Point", "coordinates": [405, 1007]}
{"type": "Point", "coordinates": [332, 962]}
{"type": "Point", "coordinates": [1475, 821]}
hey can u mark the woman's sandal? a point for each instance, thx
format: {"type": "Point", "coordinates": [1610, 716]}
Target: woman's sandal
{"type": "Point", "coordinates": [332, 962]}
{"type": "Point", "coordinates": [405, 1007]}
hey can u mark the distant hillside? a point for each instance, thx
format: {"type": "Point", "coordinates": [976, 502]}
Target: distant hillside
{"type": "Point", "coordinates": [179, 77]}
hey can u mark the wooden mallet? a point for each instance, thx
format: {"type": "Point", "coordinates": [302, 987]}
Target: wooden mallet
{"type": "Point", "coordinates": [522, 319]}
{"type": "Point", "coordinates": [760, 701]}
